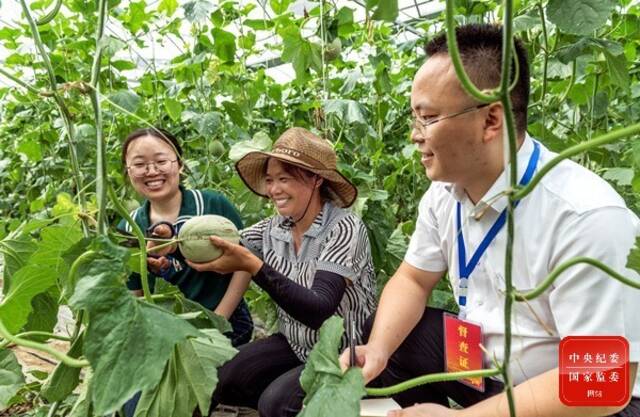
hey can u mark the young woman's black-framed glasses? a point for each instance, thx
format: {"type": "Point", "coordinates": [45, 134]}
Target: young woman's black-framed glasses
{"type": "Point", "coordinates": [140, 169]}
{"type": "Point", "coordinates": [420, 124]}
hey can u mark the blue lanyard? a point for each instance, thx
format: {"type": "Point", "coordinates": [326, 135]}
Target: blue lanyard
{"type": "Point", "coordinates": [465, 269]}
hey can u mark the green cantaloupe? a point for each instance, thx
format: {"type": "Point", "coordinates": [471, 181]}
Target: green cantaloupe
{"type": "Point", "coordinates": [194, 237]}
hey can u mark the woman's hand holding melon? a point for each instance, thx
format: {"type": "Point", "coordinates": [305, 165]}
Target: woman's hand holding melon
{"type": "Point", "coordinates": [234, 258]}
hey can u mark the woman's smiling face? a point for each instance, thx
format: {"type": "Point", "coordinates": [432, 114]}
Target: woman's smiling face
{"type": "Point", "coordinates": [290, 194]}
{"type": "Point", "coordinates": [144, 156]}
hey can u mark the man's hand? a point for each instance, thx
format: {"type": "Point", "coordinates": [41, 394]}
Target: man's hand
{"type": "Point", "coordinates": [424, 410]}
{"type": "Point", "coordinates": [234, 258]}
{"type": "Point", "coordinates": [369, 359]}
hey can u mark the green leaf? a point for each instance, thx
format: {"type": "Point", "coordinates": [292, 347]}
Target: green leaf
{"type": "Point", "coordinates": [279, 6]}
{"type": "Point", "coordinates": [128, 341]}
{"type": "Point", "coordinates": [16, 249]}
{"type": "Point", "coordinates": [633, 259]}
{"type": "Point", "coordinates": [168, 7]}
{"type": "Point", "coordinates": [580, 17]}
{"type": "Point", "coordinates": [384, 10]}
{"type": "Point", "coordinates": [622, 176]}
{"type": "Point", "coordinates": [179, 304]}
{"type": "Point", "coordinates": [339, 397]}
{"type": "Point", "coordinates": [259, 24]}
{"type": "Point", "coordinates": [260, 142]}
{"type": "Point", "coordinates": [135, 17]}
{"type": "Point", "coordinates": [329, 391]}
{"type": "Point", "coordinates": [28, 282]}
{"type": "Point", "coordinates": [301, 53]}
{"type": "Point", "coordinates": [397, 243]}
{"type": "Point", "coordinates": [198, 10]}
{"type": "Point", "coordinates": [348, 111]}
{"type": "Point", "coordinates": [617, 66]}
{"type": "Point", "coordinates": [44, 314]}
{"type": "Point", "coordinates": [224, 44]}
{"type": "Point", "coordinates": [126, 99]}
{"type": "Point", "coordinates": [111, 45]}
{"type": "Point", "coordinates": [11, 378]}
{"type": "Point", "coordinates": [31, 149]}
{"type": "Point", "coordinates": [189, 378]}
{"type": "Point", "coordinates": [64, 379]}
{"type": "Point", "coordinates": [207, 124]}
{"type": "Point", "coordinates": [234, 112]}
{"type": "Point", "coordinates": [207, 318]}
{"type": "Point", "coordinates": [345, 21]}
{"type": "Point", "coordinates": [174, 108]}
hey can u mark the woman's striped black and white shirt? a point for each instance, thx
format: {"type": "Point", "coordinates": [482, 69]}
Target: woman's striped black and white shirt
{"type": "Point", "coordinates": [337, 242]}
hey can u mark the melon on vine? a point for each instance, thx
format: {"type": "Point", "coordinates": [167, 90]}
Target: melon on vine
{"type": "Point", "coordinates": [194, 235]}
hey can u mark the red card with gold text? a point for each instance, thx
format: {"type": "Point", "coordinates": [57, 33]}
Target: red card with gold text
{"type": "Point", "coordinates": [462, 351]}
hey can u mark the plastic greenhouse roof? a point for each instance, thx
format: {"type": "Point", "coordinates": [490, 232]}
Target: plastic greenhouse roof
{"type": "Point", "coordinates": [161, 49]}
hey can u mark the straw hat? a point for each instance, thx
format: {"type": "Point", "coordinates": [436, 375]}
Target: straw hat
{"type": "Point", "coordinates": [299, 147]}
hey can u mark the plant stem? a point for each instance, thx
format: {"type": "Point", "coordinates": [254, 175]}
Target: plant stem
{"type": "Point", "coordinates": [19, 81]}
{"type": "Point", "coordinates": [53, 409]}
{"type": "Point", "coordinates": [144, 276]}
{"type": "Point", "coordinates": [430, 378]}
{"type": "Point", "coordinates": [101, 154]}
{"type": "Point", "coordinates": [566, 265]}
{"type": "Point", "coordinates": [574, 150]}
{"type": "Point", "coordinates": [456, 60]}
{"type": "Point", "coordinates": [64, 113]}
{"type": "Point", "coordinates": [507, 42]}
{"type": "Point", "coordinates": [544, 67]}
{"type": "Point", "coordinates": [73, 270]}
{"type": "Point", "coordinates": [6, 343]}
{"type": "Point", "coordinates": [72, 362]}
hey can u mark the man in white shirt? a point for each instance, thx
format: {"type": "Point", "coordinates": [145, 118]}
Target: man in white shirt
{"type": "Point", "coordinates": [570, 213]}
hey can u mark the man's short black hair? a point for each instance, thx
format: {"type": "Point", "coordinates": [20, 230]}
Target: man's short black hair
{"type": "Point", "coordinates": [480, 48]}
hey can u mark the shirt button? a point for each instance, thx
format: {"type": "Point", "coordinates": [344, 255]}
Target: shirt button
{"type": "Point", "coordinates": [480, 302]}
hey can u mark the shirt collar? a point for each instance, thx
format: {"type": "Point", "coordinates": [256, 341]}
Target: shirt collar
{"type": "Point", "coordinates": [494, 198]}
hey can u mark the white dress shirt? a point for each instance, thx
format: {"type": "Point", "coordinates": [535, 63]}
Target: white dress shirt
{"type": "Point", "coordinates": [572, 212]}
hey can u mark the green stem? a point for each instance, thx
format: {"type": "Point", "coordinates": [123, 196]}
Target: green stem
{"type": "Point", "coordinates": [144, 278]}
{"type": "Point", "coordinates": [566, 265]}
{"type": "Point", "coordinates": [456, 60]}
{"type": "Point", "coordinates": [101, 153]}
{"type": "Point", "coordinates": [53, 409]}
{"type": "Point", "coordinates": [72, 362]}
{"type": "Point", "coordinates": [571, 82]}
{"type": "Point", "coordinates": [64, 112]}
{"type": "Point", "coordinates": [544, 67]}
{"type": "Point", "coordinates": [507, 42]}
{"type": "Point", "coordinates": [19, 81]}
{"type": "Point", "coordinates": [75, 266]}
{"type": "Point", "coordinates": [430, 378]}
{"type": "Point", "coordinates": [6, 343]}
{"type": "Point", "coordinates": [574, 150]}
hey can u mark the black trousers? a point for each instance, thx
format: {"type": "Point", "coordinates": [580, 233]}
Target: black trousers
{"type": "Point", "coordinates": [422, 352]}
{"type": "Point", "coordinates": [264, 375]}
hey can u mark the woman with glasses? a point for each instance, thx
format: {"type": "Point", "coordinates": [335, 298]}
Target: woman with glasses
{"type": "Point", "coordinates": [153, 163]}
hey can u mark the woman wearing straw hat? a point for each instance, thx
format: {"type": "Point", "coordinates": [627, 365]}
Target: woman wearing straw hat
{"type": "Point", "coordinates": [313, 259]}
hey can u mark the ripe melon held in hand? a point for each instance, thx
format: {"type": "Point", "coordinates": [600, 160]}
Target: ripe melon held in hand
{"type": "Point", "coordinates": [194, 237]}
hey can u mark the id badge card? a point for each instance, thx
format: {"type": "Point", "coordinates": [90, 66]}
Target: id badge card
{"type": "Point", "coordinates": [462, 351]}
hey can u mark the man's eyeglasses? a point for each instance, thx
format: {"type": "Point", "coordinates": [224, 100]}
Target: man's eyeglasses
{"type": "Point", "coordinates": [140, 169]}
{"type": "Point", "coordinates": [420, 123]}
